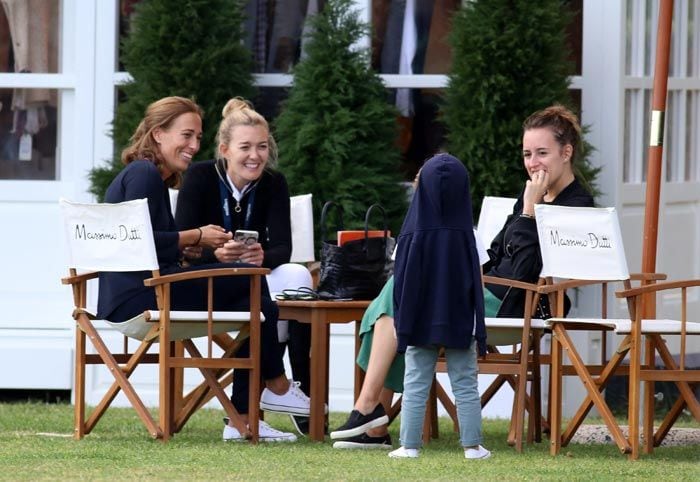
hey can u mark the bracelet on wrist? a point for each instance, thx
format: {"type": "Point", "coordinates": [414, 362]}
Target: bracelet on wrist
{"type": "Point", "coordinates": [528, 216]}
{"type": "Point", "coordinates": [199, 238]}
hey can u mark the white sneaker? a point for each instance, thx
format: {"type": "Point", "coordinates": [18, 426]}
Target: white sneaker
{"type": "Point", "coordinates": [404, 453]}
{"type": "Point", "coordinates": [294, 402]}
{"type": "Point", "coordinates": [478, 453]}
{"type": "Point", "coordinates": [266, 433]}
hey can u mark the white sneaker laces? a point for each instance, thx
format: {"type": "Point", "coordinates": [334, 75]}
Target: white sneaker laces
{"type": "Point", "coordinates": [297, 392]}
{"type": "Point", "coordinates": [265, 428]}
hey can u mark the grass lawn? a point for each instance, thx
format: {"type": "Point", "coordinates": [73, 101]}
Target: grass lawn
{"type": "Point", "coordinates": [35, 444]}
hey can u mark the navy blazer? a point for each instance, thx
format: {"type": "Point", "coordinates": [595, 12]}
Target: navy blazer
{"type": "Point", "coordinates": [140, 179]}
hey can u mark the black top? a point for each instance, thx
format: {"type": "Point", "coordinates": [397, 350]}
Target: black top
{"type": "Point", "coordinates": [200, 203]}
{"type": "Point", "coordinates": [515, 251]}
{"type": "Point", "coordinates": [438, 299]}
{"type": "Point", "coordinates": [140, 179]}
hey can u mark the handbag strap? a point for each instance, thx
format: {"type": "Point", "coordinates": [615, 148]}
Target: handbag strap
{"type": "Point", "coordinates": [324, 213]}
{"type": "Point", "coordinates": [386, 224]}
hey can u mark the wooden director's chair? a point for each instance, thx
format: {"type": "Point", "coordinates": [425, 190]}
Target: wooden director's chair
{"type": "Point", "coordinates": [583, 246]}
{"type": "Point", "coordinates": [118, 237]}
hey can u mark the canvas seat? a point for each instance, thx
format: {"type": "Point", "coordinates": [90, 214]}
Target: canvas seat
{"type": "Point", "coordinates": [102, 249]}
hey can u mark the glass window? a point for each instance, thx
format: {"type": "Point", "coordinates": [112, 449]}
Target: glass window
{"type": "Point", "coordinates": [693, 38]}
{"type": "Point", "coordinates": [273, 30]}
{"type": "Point", "coordinates": [574, 35]}
{"type": "Point", "coordinates": [28, 134]}
{"type": "Point", "coordinates": [692, 154]}
{"type": "Point", "coordinates": [429, 33]}
{"type": "Point", "coordinates": [29, 36]}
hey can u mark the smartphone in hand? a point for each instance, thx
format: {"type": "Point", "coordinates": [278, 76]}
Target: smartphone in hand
{"type": "Point", "coordinates": [246, 237]}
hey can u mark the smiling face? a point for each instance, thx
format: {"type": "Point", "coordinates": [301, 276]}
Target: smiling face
{"type": "Point", "coordinates": [179, 143]}
{"type": "Point", "coordinates": [247, 153]}
{"type": "Point", "coordinates": [541, 152]}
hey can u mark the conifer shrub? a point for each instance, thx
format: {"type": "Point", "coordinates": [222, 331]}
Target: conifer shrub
{"type": "Point", "coordinates": [510, 59]}
{"type": "Point", "coordinates": [336, 131]}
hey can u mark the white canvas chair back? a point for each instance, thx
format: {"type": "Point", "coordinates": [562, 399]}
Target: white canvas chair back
{"type": "Point", "coordinates": [302, 220]}
{"type": "Point", "coordinates": [581, 243]}
{"type": "Point", "coordinates": [109, 237]}
{"type": "Point", "coordinates": [492, 216]}
{"type": "Point", "coordinates": [119, 237]}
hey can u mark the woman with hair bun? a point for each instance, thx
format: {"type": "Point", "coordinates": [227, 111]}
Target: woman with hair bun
{"type": "Point", "coordinates": [551, 144]}
{"type": "Point", "coordinates": [240, 190]}
{"type": "Point", "coordinates": [159, 152]}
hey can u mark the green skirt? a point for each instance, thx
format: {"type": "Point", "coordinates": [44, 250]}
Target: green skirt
{"type": "Point", "coordinates": [383, 304]}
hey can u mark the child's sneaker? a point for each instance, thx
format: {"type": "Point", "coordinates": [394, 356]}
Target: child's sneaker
{"type": "Point", "coordinates": [404, 453]}
{"type": "Point", "coordinates": [477, 453]}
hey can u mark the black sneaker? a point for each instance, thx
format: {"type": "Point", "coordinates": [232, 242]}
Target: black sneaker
{"type": "Point", "coordinates": [364, 441]}
{"type": "Point", "coordinates": [302, 424]}
{"type": "Point", "coordinates": [358, 424]}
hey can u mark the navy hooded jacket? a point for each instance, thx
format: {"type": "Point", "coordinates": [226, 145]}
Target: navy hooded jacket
{"type": "Point", "coordinates": [438, 296]}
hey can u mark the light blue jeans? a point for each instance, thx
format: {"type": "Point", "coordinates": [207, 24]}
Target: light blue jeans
{"type": "Point", "coordinates": [462, 370]}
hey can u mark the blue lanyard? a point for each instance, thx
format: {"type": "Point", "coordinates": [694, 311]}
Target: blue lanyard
{"type": "Point", "coordinates": [228, 217]}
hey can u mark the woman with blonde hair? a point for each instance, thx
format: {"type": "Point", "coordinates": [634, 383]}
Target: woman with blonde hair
{"type": "Point", "coordinates": [240, 190]}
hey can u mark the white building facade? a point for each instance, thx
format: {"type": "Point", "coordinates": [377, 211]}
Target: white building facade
{"type": "Point", "coordinates": [69, 135]}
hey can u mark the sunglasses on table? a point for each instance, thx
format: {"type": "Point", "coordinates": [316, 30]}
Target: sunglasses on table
{"type": "Point", "coordinates": [306, 294]}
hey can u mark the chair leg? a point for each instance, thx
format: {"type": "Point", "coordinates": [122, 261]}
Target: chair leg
{"type": "Point", "coordinates": [165, 406]}
{"type": "Point", "coordinates": [649, 401]}
{"type": "Point", "coordinates": [120, 377]}
{"type": "Point", "coordinates": [178, 383]}
{"type": "Point", "coordinates": [430, 426]}
{"type": "Point", "coordinates": [213, 383]}
{"type": "Point", "coordinates": [79, 417]}
{"type": "Point", "coordinates": [395, 409]}
{"type": "Point", "coordinates": [536, 392]}
{"type": "Point", "coordinates": [113, 390]}
{"type": "Point", "coordinates": [634, 395]}
{"type": "Point", "coordinates": [592, 389]}
{"type": "Point", "coordinates": [602, 382]}
{"type": "Point", "coordinates": [555, 400]}
{"type": "Point", "coordinates": [449, 405]}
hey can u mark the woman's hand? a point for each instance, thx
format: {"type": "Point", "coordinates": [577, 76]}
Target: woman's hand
{"type": "Point", "coordinates": [535, 189]}
{"type": "Point", "coordinates": [192, 252]}
{"type": "Point", "coordinates": [234, 251]}
{"type": "Point", "coordinates": [213, 236]}
{"type": "Point", "coordinates": [253, 254]}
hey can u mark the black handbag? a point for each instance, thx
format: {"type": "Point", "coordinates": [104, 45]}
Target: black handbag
{"type": "Point", "coordinates": [358, 269]}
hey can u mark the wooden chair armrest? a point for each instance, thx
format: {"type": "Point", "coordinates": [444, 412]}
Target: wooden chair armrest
{"type": "Point", "coordinates": [568, 284]}
{"type": "Point", "coordinates": [78, 278]}
{"type": "Point", "coordinates": [494, 280]}
{"type": "Point", "coordinates": [648, 276]}
{"type": "Point", "coordinates": [204, 273]}
{"type": "Point", "coordinates": [653, 288]}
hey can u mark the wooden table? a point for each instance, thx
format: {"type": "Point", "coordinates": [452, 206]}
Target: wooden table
{"type": "Point", "coordinates": [321, 314]}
